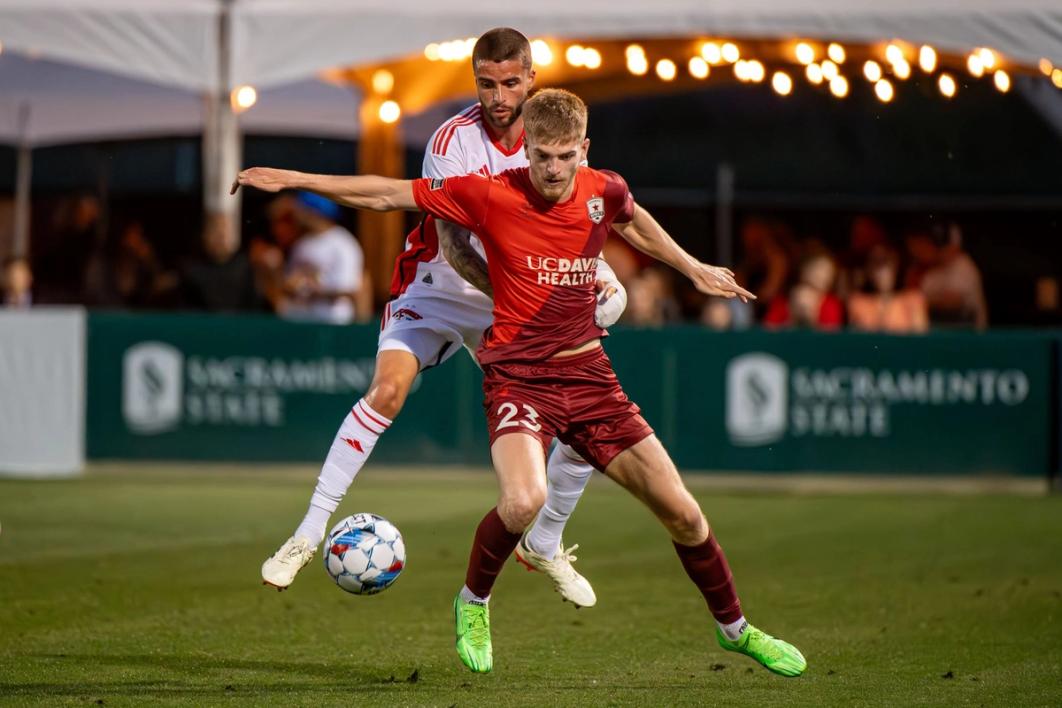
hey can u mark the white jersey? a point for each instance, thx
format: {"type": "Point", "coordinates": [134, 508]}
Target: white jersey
{"type": "Point", "coordinates": [462, 145]}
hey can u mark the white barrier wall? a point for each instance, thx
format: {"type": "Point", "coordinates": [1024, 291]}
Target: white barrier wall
{"type": "Point", "coordinates": [42, 391]}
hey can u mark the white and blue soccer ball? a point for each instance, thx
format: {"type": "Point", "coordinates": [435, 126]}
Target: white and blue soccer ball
{"type": "Point", "coordinates": [364, 554]}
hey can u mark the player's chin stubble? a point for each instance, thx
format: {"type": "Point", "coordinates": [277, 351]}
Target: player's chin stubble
{"type": "Point", "coordinates": [502, 124]}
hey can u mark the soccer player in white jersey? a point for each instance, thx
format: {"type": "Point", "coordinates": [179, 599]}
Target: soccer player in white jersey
{"type": "Point", "coordinates": [438, 307]}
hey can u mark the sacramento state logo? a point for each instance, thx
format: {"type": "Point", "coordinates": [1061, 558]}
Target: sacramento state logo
{"type": "Point", "coordinates": [756, 399]}
{"type": "Point", "coordinates": [152, 387]}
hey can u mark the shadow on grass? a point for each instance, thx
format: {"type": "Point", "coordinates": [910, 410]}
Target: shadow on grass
{"type": "Point", "coordinates": [205, 677]}
{"type": "Point", "coordinates": [161, 689]}
{"type": "Point", "coordinates": [333, 676]}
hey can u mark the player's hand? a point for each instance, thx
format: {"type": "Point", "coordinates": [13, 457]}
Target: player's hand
{"type": "Point", "coordinates": [266, 179]}
{"type": "Point", "coordinates": [713, 280]}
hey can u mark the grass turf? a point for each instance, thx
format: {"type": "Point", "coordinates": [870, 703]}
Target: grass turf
{"type": "Point", "coordinates": [133, 587]}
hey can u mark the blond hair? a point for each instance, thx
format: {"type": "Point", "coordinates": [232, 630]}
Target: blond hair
{"type": "Point", "coordinates": [555, 116]}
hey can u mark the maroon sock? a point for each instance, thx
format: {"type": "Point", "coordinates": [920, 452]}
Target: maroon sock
{"type": "Point", "coordinates": [707, 567]}
{"type": "Point", "coordinates": [491, 547]}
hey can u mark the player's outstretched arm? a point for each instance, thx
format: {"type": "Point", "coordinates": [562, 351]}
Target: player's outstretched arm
{"type": "Point", "coordinates": [459, 253]}
{"type": "Point", "coordinates": [359, 191]}
{"type": "Point", "coordinates": [644, 233]}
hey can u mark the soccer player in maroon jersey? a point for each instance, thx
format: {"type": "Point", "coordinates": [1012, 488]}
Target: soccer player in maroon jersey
{"type": "Point", "coordinates": [545, 373]}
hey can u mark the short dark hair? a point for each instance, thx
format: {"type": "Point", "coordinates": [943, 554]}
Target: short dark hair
{"type": "Point", "coordinates": [502, 44]}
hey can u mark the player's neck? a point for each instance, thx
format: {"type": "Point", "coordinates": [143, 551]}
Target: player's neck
{"type": "Point", "coordinates": [506, 137]}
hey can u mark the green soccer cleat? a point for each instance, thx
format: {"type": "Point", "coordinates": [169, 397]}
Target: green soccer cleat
{"type": "Point", "coordinates": [777, 656]}
{"type": "Point", "coordinates": [472, 622]}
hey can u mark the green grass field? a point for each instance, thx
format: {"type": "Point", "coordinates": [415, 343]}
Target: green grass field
{"type": "Point", "coordinates": [136, 588]}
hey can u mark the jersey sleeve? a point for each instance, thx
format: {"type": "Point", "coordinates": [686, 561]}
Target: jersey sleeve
{"type": "Point", "coordinates": [439, 166]}
{"type": "Point", "coordinates": [459, 200]}
{"type": "Point", "coordinates": [619, 202]}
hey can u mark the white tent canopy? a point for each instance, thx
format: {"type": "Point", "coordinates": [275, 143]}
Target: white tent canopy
{"type": "Point", "coordinates": [278, 41]}
{"type": "Point", "coordinates": [68, 103]}
{"type": "Point", "coordinates": [44, 102]}
{"type": "Point", "coordinates": [167, 42]}
{"type": "Point", "coordinates": [275, 40]}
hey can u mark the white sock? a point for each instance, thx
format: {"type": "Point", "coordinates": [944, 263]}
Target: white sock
{"type": "Point", "coordinates": [350, 450]}
{"type": "Point", "coordinates": [734, 630]}
{"type": "Point", "coordinates": [568, 475]}
{"type": "Point", "coordinates": [469, 596]}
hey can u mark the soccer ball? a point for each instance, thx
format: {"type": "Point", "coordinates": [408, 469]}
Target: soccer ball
{"type": "Point", "coordinates": [365, 554]}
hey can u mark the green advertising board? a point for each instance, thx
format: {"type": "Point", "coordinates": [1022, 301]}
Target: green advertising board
{"type": "Point", "coordinates": [261, 389]}
{"type": "Point", "coordinates": [846, 402]}
{"type": "Point", "coordinates": [255, 388]}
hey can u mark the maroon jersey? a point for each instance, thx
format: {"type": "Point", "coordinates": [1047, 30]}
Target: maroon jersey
{"type": "Point", "coordinates": [542, 255]}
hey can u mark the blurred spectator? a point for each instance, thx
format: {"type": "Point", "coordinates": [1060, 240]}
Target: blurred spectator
{"type": "Point", "coordinates": [948, 277]}
{"type": "Point", "coordinates": [139, 276]}
{"type": "Point", "coordinates": [722, 314]}
{"type": "Point", "coordinates": [222, 280]}
{"type": "Point", "coordinates": [765, 264]}
{"type": "Point", "coordinates": [880, 307]}
{"type": "Point", "coordinates": [325, 267]}
{"type": "Point", "coordinates": [268, 253]}
{"type": "Point", "coordinates": [651, 299]}
{"type": "Point", "coordinates": [17, 282]}
{"type": "Point", "coordinates": [621, 259]}
{"type": "Point", "coordinates": [811, 302]}
{"type": "Point", "coordinates": [60, 260]}
{"type": "Point", "coordinates": [865, 234]}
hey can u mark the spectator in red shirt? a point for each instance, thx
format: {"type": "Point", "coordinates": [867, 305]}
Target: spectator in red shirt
{"type": "Point", "coordinates": [811, 302]}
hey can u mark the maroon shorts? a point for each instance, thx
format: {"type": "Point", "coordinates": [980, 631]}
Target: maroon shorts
{"type": "Point", "coordinates": [577, 399]}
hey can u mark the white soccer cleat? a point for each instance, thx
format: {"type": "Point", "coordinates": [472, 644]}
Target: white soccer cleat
{"type": "Point", "coordinates": [572, 587]}
{"type": "Point", "coordinates": [280, 569]}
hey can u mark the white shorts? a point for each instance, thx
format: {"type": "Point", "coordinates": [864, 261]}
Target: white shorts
{"type": "Point", "coordinates": [431, 329]}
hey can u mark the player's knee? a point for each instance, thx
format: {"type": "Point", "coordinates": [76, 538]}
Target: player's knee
{"type": "Point", "coordinates": [687, 525]}
{"type": "Point", "coordinates": [387, 396]}
{"type": "Point", "coordinates": [519, 510]}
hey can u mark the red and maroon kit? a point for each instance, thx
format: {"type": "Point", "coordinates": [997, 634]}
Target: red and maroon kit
{"type": "Point", "coordinates": [542, 258]}
{"type": "Point", "coordinates": [542, 255]}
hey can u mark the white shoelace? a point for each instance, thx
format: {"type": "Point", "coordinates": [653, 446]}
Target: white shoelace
{"type": "Point", "coordinates": [296, 553]}
{"type": "Point", "coordinates": [566, 555]}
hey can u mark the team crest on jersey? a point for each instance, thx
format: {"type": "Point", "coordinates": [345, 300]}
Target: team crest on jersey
{"type": "Point", "coordinates": [436, 184]}
{"type": "Point", "coordinates": [596, 207]}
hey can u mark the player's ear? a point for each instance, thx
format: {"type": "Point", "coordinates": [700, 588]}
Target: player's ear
{"type": "Point", "coordinates": [530, 79]}
{"type": "Point", "coordinates": [586, 148]}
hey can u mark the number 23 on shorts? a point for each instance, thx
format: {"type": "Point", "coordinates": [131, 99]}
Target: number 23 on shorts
{"type": "Point", "coordinates": [512, 417]}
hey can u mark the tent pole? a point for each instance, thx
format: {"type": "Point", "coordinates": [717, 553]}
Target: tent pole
{"type": "Point", "coordinates": [382, 234]}
{"type": "Point", "coordinates": [23, 181]}
{"type": "Point", "coordinates": [222, 144]}
{"type": "Point", "coordinates": [724, 214]}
